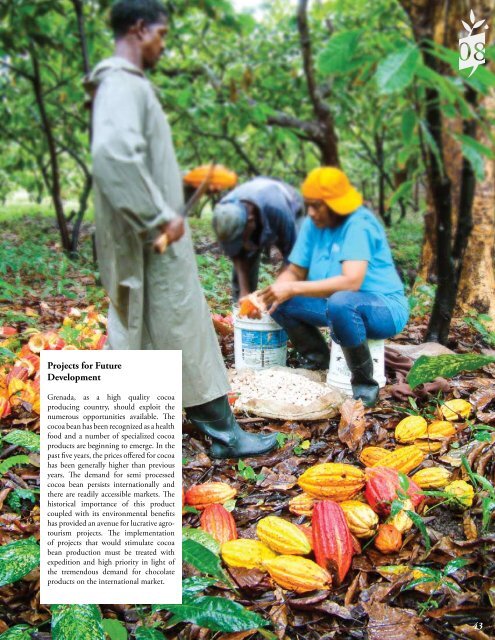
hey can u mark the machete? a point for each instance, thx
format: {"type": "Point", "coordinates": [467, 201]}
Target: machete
{"type": "Point", "coordinates": [161, 243]}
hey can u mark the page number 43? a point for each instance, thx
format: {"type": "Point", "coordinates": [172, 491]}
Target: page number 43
{"type": "Point", "coordinates": [478, 625]}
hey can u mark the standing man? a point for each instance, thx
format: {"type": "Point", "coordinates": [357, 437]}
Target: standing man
{"type": "Point", "coordinates": [156, 301]}
{"type": "Point", "coordinates": [253, 217]}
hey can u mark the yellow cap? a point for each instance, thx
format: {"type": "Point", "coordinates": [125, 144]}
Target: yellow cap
{"type": "Point", "coordinates": [333, 187]}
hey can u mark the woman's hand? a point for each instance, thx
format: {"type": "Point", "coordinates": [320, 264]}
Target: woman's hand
{"type": "Point", "coordinates": [275, 294]}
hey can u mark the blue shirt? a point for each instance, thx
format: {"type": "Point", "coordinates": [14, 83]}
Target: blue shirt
{"type": "Point", "coordinates": [359, 237]}
{"type": "Point", "coordinates": [279, 205]}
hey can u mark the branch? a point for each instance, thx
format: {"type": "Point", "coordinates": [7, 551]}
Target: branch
{"type": "Point", "coordinates": [18, 71]}
{"type": "Point", "coordinates": [311, 129]}
{"type": "Point", "coordinates": [320, 108]}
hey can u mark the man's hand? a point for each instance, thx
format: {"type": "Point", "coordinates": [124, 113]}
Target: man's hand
{"type": "Point", "coordinates": [174, 229]}
{"type": "Point", "coordinates": [275, 294]}
{"type": "Point", "coordinates": [169, 233]}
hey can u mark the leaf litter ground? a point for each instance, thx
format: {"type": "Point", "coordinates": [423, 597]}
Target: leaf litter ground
{"type": "Point", "coordinates": [372, 603]}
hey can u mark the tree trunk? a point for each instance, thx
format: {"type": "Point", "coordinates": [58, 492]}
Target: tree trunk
{"type": "Point", "coordinates": [326, 140]}
{"type": "Point", "coordinates": [477, 283]}
{"type": "Point", "coordinates": [446, 251]}
{"type": "Point", "coordinates": [55, 188]}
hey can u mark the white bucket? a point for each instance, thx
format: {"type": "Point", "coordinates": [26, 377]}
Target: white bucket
{"type": "Point", "coordinates": [339, 375]}
{"type": "Point", "coordinates": [259, 344]}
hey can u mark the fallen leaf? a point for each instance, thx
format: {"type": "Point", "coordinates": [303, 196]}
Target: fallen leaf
{"type": "Point", "coordinates": [392, 623]}
{"type": "Point", "coordinates": [471, 632]}
{"type": "Point", "coordinates": [469, 526]}
{"type": "Point", "coordinates": [352, 423]}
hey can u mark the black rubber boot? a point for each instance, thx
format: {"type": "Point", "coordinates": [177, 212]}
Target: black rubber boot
{"type": "Point", "coordinates": [311, 345]}
{"type": "Point", "coordinates": [216, 420]}
{"type": "Point", "coordinates": [360, 363]}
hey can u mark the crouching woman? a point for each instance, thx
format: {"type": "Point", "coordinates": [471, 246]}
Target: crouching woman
{"type": "Point", "coordinates": [341, 275]}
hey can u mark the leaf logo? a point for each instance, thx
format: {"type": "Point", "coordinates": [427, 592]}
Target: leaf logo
{"type": "Point", "coordinates": [472, 46]}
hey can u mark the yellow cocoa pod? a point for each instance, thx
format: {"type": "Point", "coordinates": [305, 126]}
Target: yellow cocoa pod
{"type": "Point", "coordinates": [441, 429]}
{"type": "Point", "coordinates": [302, 505]}
{"type": "Point", "coordinates": [437, 431]}
{"type": "Point", "coordinates": [282, 536]}
{"type": "Point", "coordinates": [432, 477]}
{"type": "Point", "coordinates": [245, 553]}
{"type": "Point", "coordinates": [332, 480]}
{"type": "Point", "coordinates": [456, 410]}
{"type": "Point", "coordinates": [462, 492]}
{"type": "Point", "coordinates": [404, 459]}
{"type": "Point", "coordinates": [401, 521]}
{"type": "Point", "coordinates": [410, 428]}
{"type": "Point", "coordinates": [372, 455]}
{"type": "Point", "coordinates": [360, 517]}
{"type": "Point", "coordinates": [298, 574]}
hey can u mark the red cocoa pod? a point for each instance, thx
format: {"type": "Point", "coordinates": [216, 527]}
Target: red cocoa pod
{"type": "Point", "coordinates": [4, 407]}
{"type": "Point", "coordinates": [332, 540]}
{"type": "Point", "coordinates": [219, 523]}
{"type": "Point", "coordinates": [382, 486]}
{"type": "Point", "coordinates": [19, 372]}
{"type": "Point", "coordinates": [201, 495]}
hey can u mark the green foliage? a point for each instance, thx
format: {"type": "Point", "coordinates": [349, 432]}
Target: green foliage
{"type": "Point", "coordinates": [247, 473]}
{"type": "Point", "coordinates": [203, 560]}
{"type": "Point", "coordinates": [17, 559]}
{"type": "Point", "coordinates": [13, 461]}
{"type": "Point", "coordinates": [114, 629]}
{"type": "Point", "coordinates": [148, 633]}
{"type": "Point", "coordinates": [21, 438]}
{"type": "Point", "coordinates": [436, 579]}
{"type": "Point", "coordinates": [16, 498]}
{"type": "Point", "coordinates": [396, 71]}
{"type": "Point", "coordinates": [481, 323]}
{"type": "Point", "coordinates": [81, 621]}
{"type": "Point", "coordinates": [337, 57]}
{"type": "Point", "coordinates": [19, 632]}
{"type": "Point", "coordinates": [427, 368]}
{"type": "Point", "coordinates": [203, 538]}
{"type": "Point", "coordinates": [217, 614]}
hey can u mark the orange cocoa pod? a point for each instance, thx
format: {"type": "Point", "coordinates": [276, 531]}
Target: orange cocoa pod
{"type": "Point", "coordinates": [404, 459]}
{"type": "Point", "coordinates": [372, 455]}
{"type": "Point", "coordinates": [388, 539]}
{"type": "Point", "coordinates": [4, 407]}
{"type": "Point", "coordinates": [382, 487]}
{"type": "Point", "coordinates": [332, 540]}
{"type": "Point", "coordinates": [302, 505]}
{"type": "Point", "coordinates": [297, 574]}
{"type": "Point", "coordinates": [249, 308]}
{"type": "Point", "coordinates": [201, 495]}
{"type": "Point", "coordinates": [335, 481]}
{"type": "Point", "coordinates": [219, 523]}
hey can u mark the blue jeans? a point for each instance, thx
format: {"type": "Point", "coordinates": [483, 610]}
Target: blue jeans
{"type": "Point", "coordinates": [353, 316]}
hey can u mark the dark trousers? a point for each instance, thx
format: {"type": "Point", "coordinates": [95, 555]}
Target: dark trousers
{"type": "Point", "coordinates": [254, 269]}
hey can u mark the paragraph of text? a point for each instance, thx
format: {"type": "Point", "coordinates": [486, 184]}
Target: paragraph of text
{"type": "Point", "coordinates": [111, 477]}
